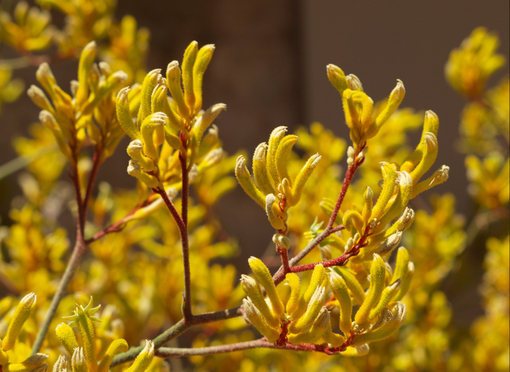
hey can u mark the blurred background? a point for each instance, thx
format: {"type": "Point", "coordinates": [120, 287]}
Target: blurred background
{"type": "Point", "coordinates": [269, 67]}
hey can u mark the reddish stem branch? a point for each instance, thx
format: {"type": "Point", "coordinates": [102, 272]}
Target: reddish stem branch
{"type": "Point", "coordinates": [166, 352]}
{"type": "Point", "coordinates": [339, 261]}
{"type": "Point", "coordinates": [183, 230]}
{"type": "Point", "coordinates": [96, 162]}
{"type": "Point", "coordinates": [284, 254]}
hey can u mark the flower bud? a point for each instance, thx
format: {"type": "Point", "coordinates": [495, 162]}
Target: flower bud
{"type": "Point", "coordinates": [281, 240]}
{"type": "Point", "coordinates": [341, 293]}
{"type": "Point", "coordinates": [66, 336]}
{"type": "Point", "coordinates": [337, 78]}
{"type": "Point", "coordinates": [302, 177]}
{"type": "Point", "coordinates": [39, 98]}
{"type": "Point", "coordinates": [173, 78]}
{"type": "Point", "coordinates": [244, 178]}
{"type": "Point", "coordinates": [255, 317]}
{"type": "Point", "coordinates": [260, 172]}
{"type": "Point", "coordinates": [134, 150]}
{"type": "Point", "coordinates": [263, 275]}
{"type": "Point", "coordinates": [151, 80]}
{"type": "Point", "coordinates": [274, 141]}
{"type": "Point", "coordinates": [377, 276]}
{"type": "Point", "coordinates": [390, 243]}
{"type": "Point", "coordinates": [116, 347]}
{"type": "Point", "coordinates": [354, 83]}
{"type": "Point", "coordinates": [204, 56]}
{"type": "Point", "coordinates": [386, 330]}
{"type": "Point", "coordinates": [273, 213]}
{"type": "Point", "coordinates": [143, 359]}
{"type": "Point", "coordinates": [23, 311]}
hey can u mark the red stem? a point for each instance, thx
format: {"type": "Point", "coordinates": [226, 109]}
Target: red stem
{"type": "Point", "coordinates": [185, 253]}
{"type": "Point", "coordinates": [96, 162]}
{"type": "Point", "coordinates": [166, 352]}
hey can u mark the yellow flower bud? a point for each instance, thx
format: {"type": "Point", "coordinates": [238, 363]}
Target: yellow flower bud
{"type": "Point", "coordinates": [390, 179]}
{"type": "Point", "coordinates": [255, 317]}
{"type": "Point", "coordinates": [273, 213]}
{"type": "Point", "coordinates": [263, 275]}
{"type": "Point", "coordinates": [318, 328]}
{"type": "Point", "coordinates": [431, 125]}
{"type": "Point", "coordinates": [386, 296]}
{"type": "Point", "coordinates": [23, 311]}
{"type": "Point", "coordinates": [188, 61]}
{"type": "Point", "coordinates": [151, 81]}
{"type": "Point", "coordinates": [203, 122]}
{"type": "Point", "coordinates": [153, 134]}
{"type": "Point", "coordinates": [204, 56]}
{"type": "Point", "coordinates": [274, 141]}
{"type": "Point", "coordinates": [314, 307]}
{"type": "Point", "coordinates": [173, 78]}
{"type": "Point", "coordinates": [134, 150]}
{"type": "Point", "coordinates": [439, 176]}
{"type": "Point", "coordinates": [39, 98]}
{"type": "Point", "coordinates": [352, 283]}
{"type": "Point", "coordinates": [386, 330]}
{"type": "Point", "coordinates": [116, 347]}
{"type": "Point", "coordinates": [143, 359]}
{"type": "Point", "coordinates": [302, 177]}
{"type": "Point", "coordinates": [389, 244]}
{"type": "Point", "coordinates": [377, 276]}
{"type": "Point", "coordinates": [244, 178]}
{"type": "Point", "coordinates": [394, 101]}
{"type": "Point", "coordinates": [281, 240]}
{"type": "Point", "coordinates": [67, 338]}
{"type": "Point", "coordinates": [260, 173]}
{"type": "Point", "coordinates": [148, 179]}
{"type": "Point", "coordinates": [252, 290]}
{"type": "Point", "coordinates": [341, 293]}
{"type": "Point", "coordinates": [87, 57]}
{"type": "Point", "coordinates": [293, 302]}
{"type": "Point", "coordinates": [124, 114]}
{"type": "Point", "coordinates": [353, 219]}
{"type": "Point", "coordinates": [406, 282]}
{"type": "Point", "coordinates": [337, 78]}
{"type": "Point", "coordinates": [430, 149]}
{"type": "Point", "coordinates": [283, 155]}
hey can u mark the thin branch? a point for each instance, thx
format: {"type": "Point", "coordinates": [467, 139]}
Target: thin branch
{"type": "Point", "coordinates": [284, 254]}
{"type": "Point", "coordinates": [79, 251]}
{"type": "Point", "coordinates": [184, 238]}
{"type": "Point", "coordinates": [176, 330]}
{"type": "Point", "coordinates": [96, 162]}
{"type": "Point", "coordinates": [339, 261]}
{"type": "Point", "coordinates": [166, 352]}
{"type": "Point", "coordinates": [185, 253]}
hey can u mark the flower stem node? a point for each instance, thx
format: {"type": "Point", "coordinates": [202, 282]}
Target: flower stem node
{"type": "Point", "coordinates": [281, 240]}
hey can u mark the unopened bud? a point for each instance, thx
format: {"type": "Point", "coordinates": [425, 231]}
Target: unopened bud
{"type": "Point", "coordinates": [354, 82]}
{"type": "Point", "coordinates": [23, 311]}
